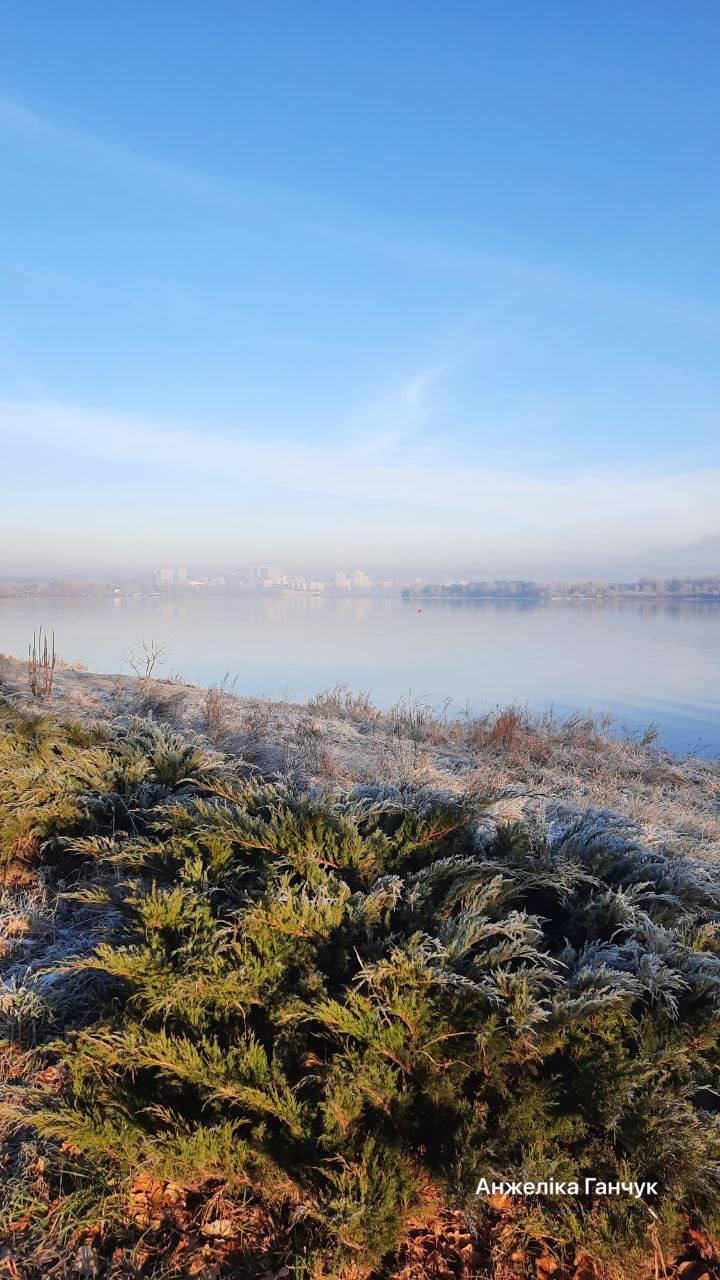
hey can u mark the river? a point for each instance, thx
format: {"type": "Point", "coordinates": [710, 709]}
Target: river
{"type": "Point", "coordinates": [650, 662]}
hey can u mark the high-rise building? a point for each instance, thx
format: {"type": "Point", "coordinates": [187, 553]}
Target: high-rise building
{"type": "Point", "coordinates": [342, 580]}
{"type": "Point", "coordinates": [361, 579]}
{"type": "Point", "coordinates": [164, 577]}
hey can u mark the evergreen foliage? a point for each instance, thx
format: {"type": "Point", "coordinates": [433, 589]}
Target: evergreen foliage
{"type": "Point", "coordinates": [345, 1007]}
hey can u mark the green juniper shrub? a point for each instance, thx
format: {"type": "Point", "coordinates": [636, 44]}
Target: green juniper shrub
{"type": "Point", "coordinates": [344, 1007]}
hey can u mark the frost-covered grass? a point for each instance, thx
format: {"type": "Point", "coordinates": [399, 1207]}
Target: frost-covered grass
{"type": "Point", "coordinates": [339, 738]}
{"type": "Point", "coordinates": [295, 1026]}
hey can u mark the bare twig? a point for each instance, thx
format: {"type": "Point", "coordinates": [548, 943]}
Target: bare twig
{"type": "Point", "coordinates": [144, 655]}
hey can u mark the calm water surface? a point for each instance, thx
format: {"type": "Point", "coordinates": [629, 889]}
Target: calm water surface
{"type": "Point", "coordinates": [652, 662]}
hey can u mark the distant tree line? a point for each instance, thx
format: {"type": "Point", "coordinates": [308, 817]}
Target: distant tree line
{"type": "Point", "coordinates": [707, 587]}
{"type": "Point", "coordinates": [12, 588]}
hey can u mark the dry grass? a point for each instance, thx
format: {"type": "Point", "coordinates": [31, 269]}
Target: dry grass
{"type": "Point", "coordinates": [216, 710]}
{"type": "Point", "coordinates": [517, 733]}
{"type": "Point", "coordinates": [162, 699]}
{"type": "Point", "coordinates": [258, 719]}
{"type": "Point", "coordinates": [213, 714]}
{"type": "Point", "coordinates": [340, 702]}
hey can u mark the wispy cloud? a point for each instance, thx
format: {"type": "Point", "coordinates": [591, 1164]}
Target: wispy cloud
{"type": "Point", "coordinates": [533, 278]}
{"type": "Point", "coordinates": [613, 509]}
{"type": "Point", "coordinates": [353, 228]}
{"type": "Point", "coordinates": [398, 417]}
{"type": "Point", "coordinates": [103, 153]}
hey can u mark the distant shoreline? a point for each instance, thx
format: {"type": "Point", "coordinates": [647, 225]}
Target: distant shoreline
{"type": "Point", "coordinates": [631, 598]}
{"type": "Point", "coordinates": [405, 595]}
{"type": "Point", "coordinates": [172, 583]}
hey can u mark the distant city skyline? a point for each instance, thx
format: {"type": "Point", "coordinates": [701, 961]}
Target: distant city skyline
{"type": "Point", "coordinates": [273, 579]}
{"type": "Point", "coordinates": [409, 287]}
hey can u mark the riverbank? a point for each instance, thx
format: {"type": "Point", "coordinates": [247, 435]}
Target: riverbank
{"type": "Point", "coordinates": [531, 763]}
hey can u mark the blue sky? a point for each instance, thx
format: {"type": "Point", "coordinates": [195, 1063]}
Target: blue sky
{"type": "Point", "coordinates": [426, 285]}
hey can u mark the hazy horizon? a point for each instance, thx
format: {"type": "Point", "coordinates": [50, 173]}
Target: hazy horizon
{"type": "Point", "coordinates": [700, 559]}
{"type": "Point", "coordinates": [393, 287]}
{"type": "Point", "coordinates": [326, 570]}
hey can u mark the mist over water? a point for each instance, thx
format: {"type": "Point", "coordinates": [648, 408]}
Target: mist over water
{"type": "Point", "coordinates": [644, 662]}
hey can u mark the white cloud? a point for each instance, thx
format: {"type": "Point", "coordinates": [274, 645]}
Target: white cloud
{"type": "Point", "coordinates": [99, 152]}
{"type": "Point", "coordinates": [613, 510]}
